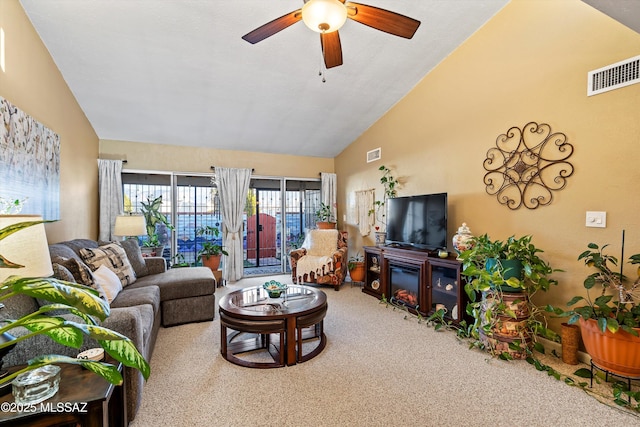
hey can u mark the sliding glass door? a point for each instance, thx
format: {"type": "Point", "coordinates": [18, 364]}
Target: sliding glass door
{"type": "Point", "coordinates": [277, 213]}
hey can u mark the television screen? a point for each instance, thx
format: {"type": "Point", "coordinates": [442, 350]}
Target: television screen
{"type": "Point", "coordinates": [419, 221]}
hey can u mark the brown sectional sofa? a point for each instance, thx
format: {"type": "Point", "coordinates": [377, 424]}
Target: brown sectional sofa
{"type": "Point", "coordinates": [162, 296]}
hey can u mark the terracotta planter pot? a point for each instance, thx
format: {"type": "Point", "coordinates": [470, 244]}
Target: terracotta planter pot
{"type": "Point", "coordinates": [357, 273]}
{"type": "Point", "coordinates": [326, 225]}
{"type": "Point", "coordinates": [213, 262]}
{"type": "Point", "coordinates": [618, 353]}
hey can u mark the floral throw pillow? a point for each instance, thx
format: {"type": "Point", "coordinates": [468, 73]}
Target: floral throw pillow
{"type": "Point", "coordinates": [113, 257]}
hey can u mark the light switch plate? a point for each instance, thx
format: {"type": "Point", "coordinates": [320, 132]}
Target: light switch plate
{"type": "Point", "coordinates": [596, 219]}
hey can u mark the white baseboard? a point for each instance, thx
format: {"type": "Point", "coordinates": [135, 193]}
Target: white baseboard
{"type": "Point", "coordinates": [552, 345]}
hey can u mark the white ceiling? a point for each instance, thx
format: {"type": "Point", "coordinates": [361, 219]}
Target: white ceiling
{"type": "Point", "coordinates": [177, 71]}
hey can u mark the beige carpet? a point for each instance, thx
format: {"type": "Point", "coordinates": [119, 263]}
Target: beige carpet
{"type": "Point", "coordinates": [378, 368]}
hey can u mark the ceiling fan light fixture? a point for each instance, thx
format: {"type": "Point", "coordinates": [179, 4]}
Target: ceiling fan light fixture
{"type": "Point", "coordinates": [324, 16]}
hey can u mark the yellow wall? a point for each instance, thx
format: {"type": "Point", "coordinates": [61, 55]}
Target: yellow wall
{"type": "Point", "coordinates": [529, 63]}
{"type": "Point", "coordinates": [158, 157]}
{"type": "Point", "coordinates": [33, 83]}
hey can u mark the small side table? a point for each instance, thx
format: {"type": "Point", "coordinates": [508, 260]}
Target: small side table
{"type": "Point", "coordinates": [83, 398]}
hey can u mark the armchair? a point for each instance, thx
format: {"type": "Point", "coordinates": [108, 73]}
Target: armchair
{"type": "Point", "coordinates": [322, 259]}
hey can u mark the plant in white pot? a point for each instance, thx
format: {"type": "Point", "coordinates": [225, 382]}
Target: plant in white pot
{"type": "Point", "coordinates": [610, 319]}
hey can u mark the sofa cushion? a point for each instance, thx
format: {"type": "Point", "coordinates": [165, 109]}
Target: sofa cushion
{"type": "Point", "coordinates": [134, 254]}
{"type": "Point", "coordinates": [131, 296]}
{"type": "Point", "coordinates": [113, 257]}
{"type": "Point", "coordinates": [108, 282]}
{"type": "Point", "coordinates": [63, 251]}
{"type": "Point", "coordinates": [177, 283]}
{"type": "Point", "coordinates": [77, 244]}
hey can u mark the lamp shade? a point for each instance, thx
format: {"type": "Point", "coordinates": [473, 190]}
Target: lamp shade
{"type": "Point", "coordinates": [324, 16]}
{"type": "Point", "coordinates": [27, 247]}
{"type": "Point", "coordinates": [130, 225]}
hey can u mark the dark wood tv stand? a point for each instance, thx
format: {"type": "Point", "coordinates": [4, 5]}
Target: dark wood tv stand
{"type": "Point", "coordinates": [431, 282]}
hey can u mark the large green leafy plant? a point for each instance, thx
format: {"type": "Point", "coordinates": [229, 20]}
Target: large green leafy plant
{"type": "Point", "coordinates": [76, 299]}
{"type": "Point", "coordinates": [489, 274]}
{"type": "Point", "coordinates": [153, 217]}
{"type": "Point", "coordinates": [210, 248]}
{"type": "Point", "coordinates": [615, 303]}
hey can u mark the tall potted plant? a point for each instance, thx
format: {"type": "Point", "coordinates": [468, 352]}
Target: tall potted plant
{"type": "Point", "coordinates": [501, 278]}
{"type": "Point", "coordinates": [389, 184]}
{"type": "Point", "coordinates": [610, 319]}
{"type": "Point", "coordinates": [153, 218]}
{"type": "Point", "coordinates": [211, 252]}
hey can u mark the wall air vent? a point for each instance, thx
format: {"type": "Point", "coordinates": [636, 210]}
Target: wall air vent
{"type": "Point", "coordinates": [374, 155]}
{"type": "Point", "coordinates": [614, 76]}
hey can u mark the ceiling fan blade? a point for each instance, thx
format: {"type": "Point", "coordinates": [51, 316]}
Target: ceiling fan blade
{"type": "Point", "coordinates": [270, 28]}
{"type": "Point", "coordinates": [382, 19]}
{"type": "Point", "coordinates": [331, 49]}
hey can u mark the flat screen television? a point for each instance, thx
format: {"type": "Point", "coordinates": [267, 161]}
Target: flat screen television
{"type": "Point", "coordinates": [417, 221]}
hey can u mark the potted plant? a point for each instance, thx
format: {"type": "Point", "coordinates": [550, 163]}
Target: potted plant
{"type": "Point", "coordinates": [211, 252]}
{"type": "Point", "coordinates": [610, 319]}
{"type": "Point", "coordinates": [153, 218]}
{"type": "Point", "coordinates": [178, 261]}
{"type": "Point", "coordinates": [76, 299]}
{"type": "Point", "coordinates": [356, 268]}
{"type": "Point", "coordinates": [324, 217]}
{"type": "Point", "coordinates": [501, 278]}
{"type": "Point", "coordinates": [389, 183]}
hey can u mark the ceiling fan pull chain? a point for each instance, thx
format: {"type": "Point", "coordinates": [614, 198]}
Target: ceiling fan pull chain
{"type": "Point", "coordinates": [323, 68]}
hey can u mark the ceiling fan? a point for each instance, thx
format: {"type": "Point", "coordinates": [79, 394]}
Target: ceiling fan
{"type": "Point", "coordinates": [327, 16]}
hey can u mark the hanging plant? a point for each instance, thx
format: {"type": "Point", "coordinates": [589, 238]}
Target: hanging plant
{"type": "Point", "coordinates": [390, 184]}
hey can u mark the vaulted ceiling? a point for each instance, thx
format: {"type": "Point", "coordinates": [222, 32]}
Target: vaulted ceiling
{"type": "Point", "coordinates": [177, 71]}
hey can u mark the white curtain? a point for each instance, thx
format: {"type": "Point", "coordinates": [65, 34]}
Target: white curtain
{"type": "Point", "coordinates": [233, 185]}
{"type": "Point", "coordinates": [329, 192]}
{"type": "Point", "coordinates": [364, 204]}
{"type": "Point", "coordinates": [110, 194]}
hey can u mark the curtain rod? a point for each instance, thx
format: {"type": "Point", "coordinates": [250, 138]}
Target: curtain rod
{"type": "Point", "coordinates": [214, 168]}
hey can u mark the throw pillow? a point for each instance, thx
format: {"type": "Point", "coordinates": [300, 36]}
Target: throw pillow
{"type": "Point", "coordinates": [61, 272]}
{"type": "Point", "coordinates": [72, 270]}
{"type": "Point", "coordinates": [134, 254]}
{"type": "Point", "coordinates": [108, 281]}
{"type": "Point", "coordinates": [80, 272]}
{"type": "Point", "coordinates": [114, 258]}
{"type": "Point", "coordinates": [322, 242]}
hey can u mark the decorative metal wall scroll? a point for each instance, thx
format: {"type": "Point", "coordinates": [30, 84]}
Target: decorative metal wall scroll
{"type": "Point", "coordinates": [527, 166]}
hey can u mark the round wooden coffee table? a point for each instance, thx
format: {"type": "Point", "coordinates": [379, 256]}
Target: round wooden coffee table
{"type": "Point", "coordinates": [279, 326]}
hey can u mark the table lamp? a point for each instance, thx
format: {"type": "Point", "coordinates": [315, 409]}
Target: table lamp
{"type": "Point", "coordinates": [27, 248]}
{"type": "Point", "coordinates": [130, 226]}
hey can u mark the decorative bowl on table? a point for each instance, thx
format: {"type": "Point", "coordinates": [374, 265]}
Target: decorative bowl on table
{"type": "Point", "coordinates": [274, 289]}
